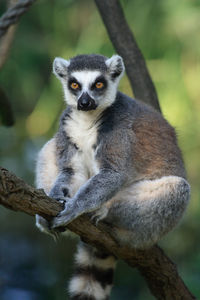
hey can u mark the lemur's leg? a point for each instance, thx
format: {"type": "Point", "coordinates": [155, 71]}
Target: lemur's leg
{"type": "Point", "coordinates": [46, 168]}
{"type": "Point", "coordinates": [93, 277]}
{"type": "Point", "coordinates": [46, 174]}
{"type": "Point", "coordinates": [57, 184]}
{"type": "Point", "coordinates": [147, 210]}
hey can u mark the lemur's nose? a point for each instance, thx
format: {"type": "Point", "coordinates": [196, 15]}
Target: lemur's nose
{"type": "Point", "coordinates": [85, 102]}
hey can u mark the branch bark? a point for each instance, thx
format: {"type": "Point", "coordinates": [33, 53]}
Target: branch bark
{"type": "Point", "coordinates": [157, 269]}
{"type": "Point", "coordinates": [124, 42]}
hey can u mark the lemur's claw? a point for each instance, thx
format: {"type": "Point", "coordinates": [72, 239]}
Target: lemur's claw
{"type": "Point", "coordinates": [62, 200]}
{"type": "Point", "coordinates": [55, 235]}
{"type": "Point", "coordinates": [95, 219]}
{"type": "Point", "coordinates": [99, 215]}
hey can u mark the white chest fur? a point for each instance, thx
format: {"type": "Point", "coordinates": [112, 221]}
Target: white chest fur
{"type": "Point", "coordinates": [82, 130]}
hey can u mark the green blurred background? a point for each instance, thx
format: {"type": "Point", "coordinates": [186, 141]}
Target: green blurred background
{"type": "Point", "coordinates": [32, 266]}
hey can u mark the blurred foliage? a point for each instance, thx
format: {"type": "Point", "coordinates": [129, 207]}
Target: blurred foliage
{"type": "Point", "coordinates": [32, 266]}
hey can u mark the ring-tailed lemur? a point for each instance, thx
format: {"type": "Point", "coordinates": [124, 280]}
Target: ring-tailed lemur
{"type": "Point", "coordinates": [115, 157]}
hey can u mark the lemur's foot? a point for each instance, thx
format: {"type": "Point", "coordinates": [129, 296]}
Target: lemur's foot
{"type": "Point", "coordinates": [99, 214]}
{"type": "Point", "coordinates": [44, 226]}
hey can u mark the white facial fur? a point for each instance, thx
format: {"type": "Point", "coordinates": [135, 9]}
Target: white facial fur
{"type": "Point", "coordinates": [87, 77]}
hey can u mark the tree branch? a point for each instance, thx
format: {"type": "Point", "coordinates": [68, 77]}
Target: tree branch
{"type": "Point", "coordinates": [13, 14]}
{"type": "Point", "coordinates": [6, 44]}
{"type": "Point", "coordinates": [158, 270]}
{"type": "Point", "coordinates": [125, 44]}
{"type": "Point", "coordinates": [6, 41]}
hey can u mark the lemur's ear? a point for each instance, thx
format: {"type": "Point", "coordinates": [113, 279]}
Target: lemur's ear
{"type": "Point", "coordinates": [60, 66]}
{"type": "Point", "coordinates": [115, 66]}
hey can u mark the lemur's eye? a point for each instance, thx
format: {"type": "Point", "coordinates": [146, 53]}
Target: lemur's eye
{"type": "Point", "coordinates": [99, 85]}
{"type": "Point", "coordinates": [74, 85]}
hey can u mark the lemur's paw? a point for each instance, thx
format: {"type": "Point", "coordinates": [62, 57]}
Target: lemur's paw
{"type": "Point", "coordinates": [65, 217]}
{"type": "Point", "coordinates": [44, 226]}
{"type": "Point", "coordinates": [60, 193]}
{"type": "Point", "coordinates": [99, 214]}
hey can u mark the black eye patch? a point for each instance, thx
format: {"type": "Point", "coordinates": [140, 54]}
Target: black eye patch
{"type": "Point", "coordinates": [100, 79]}
{"type": "Point", "coordinates": [70, 82]}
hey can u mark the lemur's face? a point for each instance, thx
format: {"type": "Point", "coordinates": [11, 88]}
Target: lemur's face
{"type": "Point", "coordinates": [89, 81]}
{"type": "Point", "coordinates": [88, 89]}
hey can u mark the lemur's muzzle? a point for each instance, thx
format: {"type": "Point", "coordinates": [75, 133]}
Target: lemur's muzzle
{"type": "Point", "coordinates": [85, 102]}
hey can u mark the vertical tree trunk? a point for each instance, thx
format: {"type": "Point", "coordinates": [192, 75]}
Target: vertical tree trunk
{"type": "Point", "coordinates": [126, 46]}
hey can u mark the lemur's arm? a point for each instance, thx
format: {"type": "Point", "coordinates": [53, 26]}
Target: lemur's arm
{"type": "Point", "coordinates": [113, 155]}
{"type": "Point", "coordinates": [60, 189]}
{"type": "Point", "coordinates": [90, 196]}
{"type": "Point", "coordinates": [64, 152]}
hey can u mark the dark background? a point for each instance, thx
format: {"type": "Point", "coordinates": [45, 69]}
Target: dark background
{"type": "Point", "coordinates": [32, 265]}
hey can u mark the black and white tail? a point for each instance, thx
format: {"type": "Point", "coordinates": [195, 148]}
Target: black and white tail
{"type": "Point", "coordinates": [93, 277]}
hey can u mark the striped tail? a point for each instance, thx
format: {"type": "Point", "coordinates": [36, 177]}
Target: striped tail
{"type": "Point", "coordinates": [93, 277]}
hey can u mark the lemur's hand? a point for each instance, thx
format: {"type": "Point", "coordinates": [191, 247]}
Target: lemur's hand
{"type": "Point", "coordinates": [70, 212]}
{"type": "Point", "coordinates": [59, 192]}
